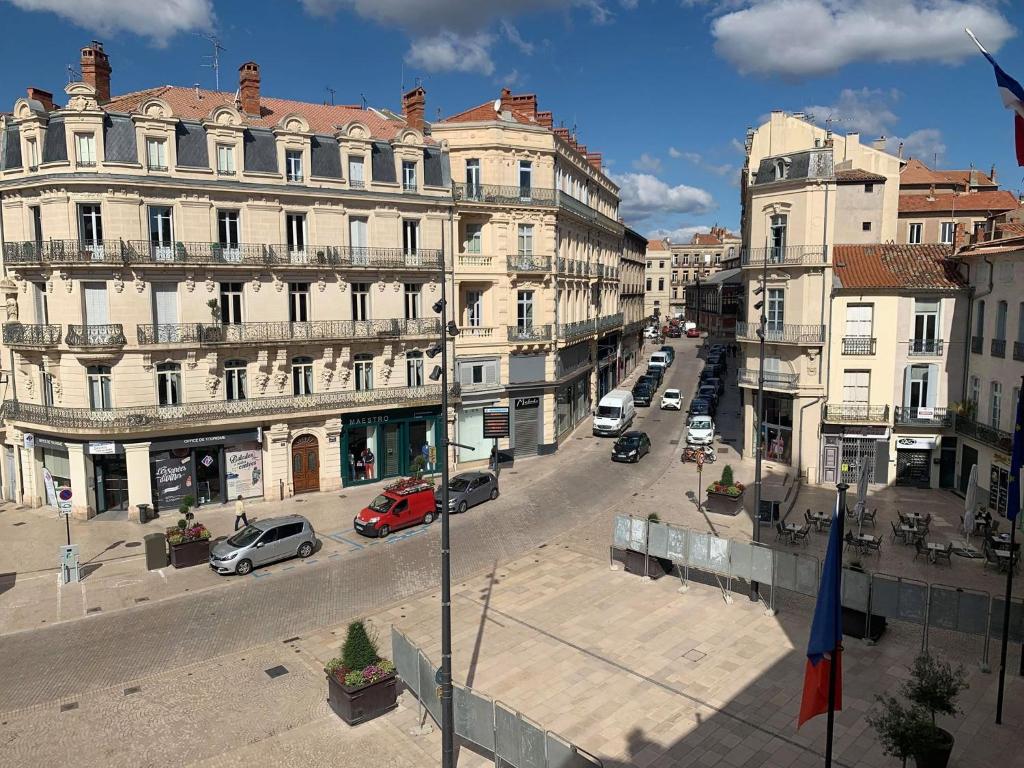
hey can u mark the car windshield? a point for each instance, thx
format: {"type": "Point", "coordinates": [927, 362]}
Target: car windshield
{"type": "Point", "coordinates": [628, 442]}
{"type": "Point", "coordinates": [700, 423]}
{"type": "Point", "coordinates": [671, 395]}
{"type": "Point", "coordinates": [706, 388]}
{"type": "Point", "coordinates": [609, 411]}
{"type": "Point", "coordinates": [381, 504]}
{"type": "Point", "coordinates": [245, 537]}
{"type": "Point", "coordinates": [458, 484]}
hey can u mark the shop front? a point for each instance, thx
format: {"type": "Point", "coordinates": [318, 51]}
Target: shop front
{"type": "Point", "coordinates": [848, 447]}
{"type": "Point", "coordinates": [53, 454]}
{"type": "Point", "coordinates": [572, 404]}
{"type": "Point", "coordinates": [473, 446]}
{"type": "Point", "coordinates": [914, 460]}
{"type": "Point", "coordinates": [110, 475]}
{"type": "Point", "coordinates": [389, 443]}
{"type": "Point", "coordinates": [212, 469]}
{"type": "Point", "coordinates": [777, 428]}
{"type": "Point", "coordinates": [527, 422]}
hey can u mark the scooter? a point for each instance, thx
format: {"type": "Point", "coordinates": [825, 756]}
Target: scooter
{"type": "Point", "coordinates": [690, 453]}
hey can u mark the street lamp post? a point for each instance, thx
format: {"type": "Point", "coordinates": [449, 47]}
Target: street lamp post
{"type": "Point", "coordinates": [759, 414]}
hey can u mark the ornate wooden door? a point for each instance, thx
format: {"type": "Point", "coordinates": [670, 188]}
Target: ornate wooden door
{"type": "Point", "coordinates": [305, 464]}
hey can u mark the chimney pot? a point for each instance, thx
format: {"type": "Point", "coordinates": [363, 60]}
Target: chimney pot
{"type": "Point", "coordinates": [249, 87]}
{"type": "Point", "coordinates": [414, 104]}
{"type": "Point", "coordinates": [96, 70]}
{"type": "Point", "coordinates": [43, 97]}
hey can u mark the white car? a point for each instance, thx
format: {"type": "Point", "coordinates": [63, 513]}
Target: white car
{"type": "Point", "coordinates": [650, 332]}
{"type": "Point", "coordinates": [671, 400]}
{"type": "Point", "coordinates": [700, 431]}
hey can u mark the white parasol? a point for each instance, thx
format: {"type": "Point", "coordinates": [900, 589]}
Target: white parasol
{"type": "Point", "coordinates": [971, 503]}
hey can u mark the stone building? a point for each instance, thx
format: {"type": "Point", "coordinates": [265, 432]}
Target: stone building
{"type": "Point", "coordinates": [658, 279]}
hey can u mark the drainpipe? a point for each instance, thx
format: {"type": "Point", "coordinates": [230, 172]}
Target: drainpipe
{"type": "Point", "coordinates": [824, 274]}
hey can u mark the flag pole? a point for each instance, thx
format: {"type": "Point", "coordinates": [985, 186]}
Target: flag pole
{"type": "Point", "coordinates": [833, 667]}
{"type": "Point", "coordinates": [980, 46]}
{"type": "Point", "coordinates": [1006, 628]}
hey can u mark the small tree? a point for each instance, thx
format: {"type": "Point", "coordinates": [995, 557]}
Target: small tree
{"type": "Point", "coordinates": [419, 463]}
{"type": "Point", "coordinates": [359, 650]}
{"type": "Point", "coordinates": [901, 729]}
{"type": "Point", "coordinates": [726, 476]}
{"type": "Point", "coordinates": [214, 306]}
{"type": "Point", "coordinates": [934, 685]}
{"type": "Point", "coordinates": [185, 508]}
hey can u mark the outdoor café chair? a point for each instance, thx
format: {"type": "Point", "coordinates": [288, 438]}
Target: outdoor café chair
{"type": "Point", "coordinates": [801, 535]}
{"type": "Point", "coordinates": [897, 533]}
{"type": "Point", "coordinates": [875, 545]}
{"type": "Point", "coordinates": [781, 534]}
{"type": "Point", "coordinates": [807, 517]}
{"type": "Point", "coordinates": [869, 517]}
{"type": "Point", "coordinates": [991, 558]}
{"type": "Point", "coordinates": [920, 548]}
{"type": "Point", "coordinates": [944, 554]}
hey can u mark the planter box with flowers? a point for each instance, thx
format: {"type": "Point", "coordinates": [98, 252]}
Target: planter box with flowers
{"type": "Point", "coordinates": [188, 541]}
{"type": "Point", "coordinates": [725, 496]}
{"type": "Point", "coordinates": [360, 684]}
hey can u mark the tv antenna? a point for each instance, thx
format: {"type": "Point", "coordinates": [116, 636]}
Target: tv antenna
{"type": "Point", "coordinates": [73, 74]}
{"type": "Point", "coordinates": [332, 92]}
{"type": "Point", "coordinates": [214, 59]}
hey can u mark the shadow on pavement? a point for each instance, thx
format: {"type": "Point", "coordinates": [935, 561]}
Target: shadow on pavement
{"type": "Point", "coordinates": [7, 581]}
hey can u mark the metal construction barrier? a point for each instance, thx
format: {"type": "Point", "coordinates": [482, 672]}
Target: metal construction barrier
{"type": "Point", "coordinates": [510, 737]}
{"type": "Point", "coordinates": [931, 606]}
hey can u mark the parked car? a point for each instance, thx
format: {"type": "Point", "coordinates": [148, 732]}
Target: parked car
{"type": "Point", "coordinates": [700, 431]}
{"type": "Point", "coordinates": [716, 382]}
{"type": "Point", "coordinates": [468, 489]}
{"type": "Point", "coordinates": [615, 413]}
{"type": "Point", "coordinates": [651, 332]}
{"type": "Point", "coordinates": [658, 374]}
{"type": "Point", "coordinates": [642, 393]}
{"type": "Point", "coordinates": [707, 372]}
{"type": "Point", "coordinates": [670, 351]}
{"type": "Point", "coordinates": [262, 542]}
{"type": "Point", "coordinates": [658, 360]}
{"type": "Point", "coordinates": [700, 406]}
{"type": "Point", "coordinates": [693, 333]}
{"type": "Point", "coordinates": [671, 400]}
{"type": "Point", "coordinates": [632, 446]}
{"type": "Point", "coordinates": [716, 363]}
{"type": "Point", "coordinates": [675, 332]}
{"type": "Point", "coordinates": [405, 503]}
{"type": "Point", "coordinates": [708, 392]}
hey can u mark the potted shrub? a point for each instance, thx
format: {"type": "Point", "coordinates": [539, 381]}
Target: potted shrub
{"type": "Point", "coordinates": [417, 466]}
{"type": "Point", "coordinates": [360, 684]}
{"type": "Point", "coordinates": [900, 728]}
{"type": "Point", "coordinates": [188, 541]}
{"type": "Point", "coordinates": [725, 495]}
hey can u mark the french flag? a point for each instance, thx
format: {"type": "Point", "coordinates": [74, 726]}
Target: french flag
{"type": "Point", "coordinates": [1012, 94]}
{"type": "Point", "coordinates": [824, 649]}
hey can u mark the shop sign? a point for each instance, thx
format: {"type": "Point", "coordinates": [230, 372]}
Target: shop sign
{"type": "Point", "coordinates": [30, 441]}
{"type": "Point", "coordinates": [925, 414]}
{"type": "Point", "coordinates": [172, 476]}
{"type": "Point", "coordinates": [496, 421]}
{"type": "Point", "coordinates": [527, 402]}
{"type": "Point", "coordinates": [374, 418]}
{"type": "Point", "coordinates": [49, 442]}
{"type": "Point", "coordinates": [104, 448]}
{"type": "Point", "coordinates": [220, 438]}
{"type": "Point", "coordinates": [243, 469]}
{"type": "Point", "coordinates": [915, 443]}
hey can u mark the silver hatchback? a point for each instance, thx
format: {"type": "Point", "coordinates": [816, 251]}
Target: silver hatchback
{"type": "Point", "coordinates": [469, 489]}
{"type": "Point", "coordinates": [264, 542]}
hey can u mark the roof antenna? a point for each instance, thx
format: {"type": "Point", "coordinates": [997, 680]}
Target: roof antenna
{"type": "Point", "coordinates": [73, 74]}
{"type": "Point", "coordinates": [214, 60]}
{"type": "Point", "coordinates": [331, 91]}
{"type": "Point", "coordinates": [196, 86]}
{"type": "Point", "coordinates": [363, 97]}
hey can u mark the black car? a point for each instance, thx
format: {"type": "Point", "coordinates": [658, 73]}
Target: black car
{"type": "Point", "coordinates": [708, 391]}
{"type": "Point", "coordinates": [715, 382]}
{"type": "Point", "coordinates": [649, 380]}
{"type": "Point", "coordinates": [658, 374]}
{"type": "Point", "coordinates": [642, 394]}
{"type": "Point", "coordinates": [674, 332]}
{"type": "Point", "coordinates": [716, 363]}
{"type": "Point", "coordinates": [632, 446]}
{"type": "Point", "coordinates": [699, 406]}
{"type": "Point", "coordinates": [707, 372]}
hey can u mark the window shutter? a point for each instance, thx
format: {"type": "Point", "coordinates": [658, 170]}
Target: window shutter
{"type": "Point", "coordinates": [96, 304]}
{"type": "Point", "coordinates": [933, 384]}
{"type": "Point", "coordinates": [907, 373]}
{"type": "Point", "coordinates": [491, 372]}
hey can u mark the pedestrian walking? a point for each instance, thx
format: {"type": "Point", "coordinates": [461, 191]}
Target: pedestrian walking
{"type": "Point", "coordinates": [240, 517]}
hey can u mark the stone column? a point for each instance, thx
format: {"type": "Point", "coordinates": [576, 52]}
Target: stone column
{"type": "Point", "coordinates": [80, 507]}
{"type": "Point", "coordinates": [277, 479]}
{"type": "Point", "coordinates": [330, 456]}
{"type": "Point", "coordinates": [140, 484]}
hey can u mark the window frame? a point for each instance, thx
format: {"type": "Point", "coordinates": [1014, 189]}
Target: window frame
{"type": "Point", "coordinates": [236, 375]}
{"type": "Point", "coordinates": [357, 161]}
{"type": "Point", "coordinates": [915, 233]}
{"type": "Point", "coordinates": [160, 143]}
{"type": "Point", "coordinates": [87, 141]}
{"type": "Point", "coordinates": [302, 376]}
{"type": "Point", "coordinates": [226, 152]}
{"type": "Point", "coordinates": [293, 157]}
{"type": "Point", "coordinates": [99, 379]}
{"type": "Point", "coordinates": [169, 385]}
{"type": "Point", "coordinates": [362, 367]}
{"type": "Point", "coordinates": [409, 176]}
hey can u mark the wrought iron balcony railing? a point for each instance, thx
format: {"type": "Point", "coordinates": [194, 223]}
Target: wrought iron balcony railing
{"type": "Point", "coordinates": [998, 348]}
{"type": "Point", "coordinates": [316, 330]}
{"type": "Point", "coordinates": [1018, 350]}
{"type": "Point", "coordinates": [581, 328]}
{"type": "Point", "coordinates": [856, 412]}
{"type": "Point", "coordinates": [528, 262]}
{"type": "Point", "coordinates": [529, 333]}
{"type": "Point", "coordinates": [18, 335]}
{"type": "Point", "coordinates": [1001, 441]}
{"type": "Point", "coordinates": [933, 347]}
{"type": "Point", "coordinates": [109, 335]}
{"type": "Point", "coordinates": [132, 419]}
{"type": "Point", "coordinates": [783, 334]}
{"type": "Point", "coordinates": [858, 345]}
{"type": "Point", "coordinates": [504, 195]}
{"type": "Point", "coordinates": [799, 255]}
{"type": "Point", "coordinates": [578, 207]}
{"type": "Point", "coordinates": [63, 252]}
{"type": "Point", "coordinates": [977, 344]}
{"type": "Point", "coordinates": [905, 416]}
{"type": "Point", "coordinates": [747, 377]}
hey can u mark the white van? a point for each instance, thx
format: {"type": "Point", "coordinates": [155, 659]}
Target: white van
{"type": "Point", "coordinates": [658, 360]}
{"type": "Point", "coordinates": [615, 413]}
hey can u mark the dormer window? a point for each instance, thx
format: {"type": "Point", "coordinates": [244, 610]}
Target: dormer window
{"type": "Point", "coordinates": [781, 169]}
{"type": "Point", "coordinates": [293, 165]}
{"type": "Point", "coordinates": [408, 176]}
{"type": "Point", "coordinates": [32, 151]}
{"type": "Point", "coordinates": [356, 178]}
{"type": "Point", "coordinates": [225, 160]}
{"type": "Point", "coordinates": [85, 150]}
{"type": "Point", "coordinates": [156, 154]}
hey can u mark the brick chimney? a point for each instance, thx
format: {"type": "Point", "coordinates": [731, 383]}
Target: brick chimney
{"type": "Point", "coordinates": [414, 104]}
{"type": "Point", "coordinates": [506, 99]}
{"type": "Point", "coordinates": [546, 119]}
{"type": "Point", "coordinates": [43, 97]}
{"type": "Point", "coordinates": [525, 103]}
{"type": "Point", "coordinates": [249, 87]}
{"type": "Point", "coordinates": [563, 134]}
{"type": "Point", "coordinates": [992, 173]}
{"type": "Point", "coordinates": [594, 158]}
{"type": "Point", "coordinates": [96, 70]}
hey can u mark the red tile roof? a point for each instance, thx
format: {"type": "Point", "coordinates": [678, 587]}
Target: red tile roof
{"type": "Point", "coordinates": [855, 175]}
{"type": "Point", "coordinates": [657, 245]}
{"type": "Point", "coordinates": [486, 113]}
{"type": "Point", "coordinates": [998, 200]}
{"type": "Point", "coordinates": [702, 238]}
{"type": "Point", "coordinates": [892, 265]}
{"type": "Point", "coordinates": [322, 118]}
{"type": "Point", "coordinates": [916, 172]}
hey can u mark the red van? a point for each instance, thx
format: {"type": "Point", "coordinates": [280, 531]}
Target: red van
{"type": "Point", "coordinates": [405, 503]}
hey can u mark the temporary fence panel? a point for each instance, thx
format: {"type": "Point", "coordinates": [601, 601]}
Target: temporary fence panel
{"type": "Point", "coordinates": [531, 744]}
{"type": "Point", "coordinates": [428, 688]}
{"type": "Point", "coordinates": [677, 545]}
{"type": "Point", "coordinates": [699, 556]}
{"type": "Point", "coordinates": [637, 534]}
{"type": "Point", "coordinates": [1016, 633]}
{"type": "Point", "coordinates": [506, 735]}
{"type": "Point", "coordinates": [718, 555]}
{"type": "Point", "coordinates": [855, 589]}
{"type": "Point", "coordinates": [620, 533]}
{"type": "Point", "coordinates": [740, 556]}
{"type": "Point", "coordinates": [958, 609]}
{"type": "Point", "coordinates": [762, 565]}
{"type": "Point", "coordinates": [797, 573]}
{"type": "Point", "coordinates": [657, 540]}
{"type": "Point", "coordinates": [406, 659]}
{"type": "Point", "coordinates": [898, 598]}
{"type": "Point", "coordinates": [474, 717]}
{"type": "Point", "coordinates": [561, 754]}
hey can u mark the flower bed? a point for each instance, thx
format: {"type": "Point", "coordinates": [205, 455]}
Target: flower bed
{"type": "Point", "coordinates": [360, 684]}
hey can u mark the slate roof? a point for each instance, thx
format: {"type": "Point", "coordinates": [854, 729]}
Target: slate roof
{"type": "Point", "coordinates": [896, 265]}
{"type": "Point", "coordinates": [998, 200]}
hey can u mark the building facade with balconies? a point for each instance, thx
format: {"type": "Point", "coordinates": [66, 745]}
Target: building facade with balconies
{"type": "Point", "coordinates": [693, 263]}
{"type": "Point", "coordinates": [212, 294]}
{"type": "Point", "coordinates": [631, 300]}
{"type": "Point", "coordinates": [897, 341]}
{"type": "Point", "coordinates": [658, 280]}
{"type": "Point", "coordinates": [537, 273]}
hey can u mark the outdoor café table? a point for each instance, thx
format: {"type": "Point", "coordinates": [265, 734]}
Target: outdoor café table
{"type": "Point", "coordinates": [910, 533]}
{"type": "Point", "coordinates": [791, 527]}
{"type": "Point", "coordinates": [820, 518]}
{"type": "Point", "coordinates": [1005, 558]}
{"type": "Point", "coordinates": [863, 538]}
{"type": "Point", "coordinates": [1000, 542]}
{"type": "Point", "coordinates": [932, 549]}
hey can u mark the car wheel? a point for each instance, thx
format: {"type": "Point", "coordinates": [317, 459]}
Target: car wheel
{"type": "Point", "coordinates": [428, 518]}
{"type": "Point", "coordinates": [383, 531]}
{"type": "Point", "coordinates": [494, 494]}
{"type": "Point", "coordinates": [243, 567]}
{"type": "Point", "coordinates": [305, 550]}
{"type": "Point", "coordinates": [462, 507]}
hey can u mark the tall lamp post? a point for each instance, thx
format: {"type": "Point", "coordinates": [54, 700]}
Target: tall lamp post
{"type": "Point", "coordinates": [759, 414]}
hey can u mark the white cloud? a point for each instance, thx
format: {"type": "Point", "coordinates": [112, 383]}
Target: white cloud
{"type": "Point", "coordinates": [158, 21]}
{"type": "Point", "coordinates": [509, 79]}
{"type": "Point", "coordinates": [647, 163]}
{"type": "Point", "coordinates": [868, 111]}
{"type": "Point", "coordinates": [675, 153]}
{"type": "Point", "coordinates": [925, 144]}
{"type": "Point", "coordinates": [449, 52]}
{"type": "Point", "coordinates": [515, 38]}
{"type": "Point", "coordinates": [723, 169]}
{"type": "Point", "coordinates": [644, 195]}
{"type": "Point", "coordinates": [799, 38]}
{"type": "Point", "coordinates": [679, 234]}
{"type": "Point", "coordinates": [739, 146]}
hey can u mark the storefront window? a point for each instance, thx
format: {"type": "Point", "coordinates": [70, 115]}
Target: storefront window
{"type": "Point", "coordinates": [208, 485]}
{"type": "Point", "coordinates": [563, 410]}
{"type": "Point", "coordinates": [778, 428]}
{"type": "Point", "coordinates": [471, 433]}
{"type": "Point", "coordinates": [362, 460]}
{"type": "Point", "coordinates": [56, 462]}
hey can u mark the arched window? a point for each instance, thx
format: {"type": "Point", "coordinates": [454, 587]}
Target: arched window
{"type": "Point", "coordinates": [781, 169]}
{"type": "Point", "coordinates": [302, 375]}
{"type": "Point", "coordinates": [364, 371]}
{"type": "Point", "coordinates": [235, 379]}
{"type": "Point", "coordinates": [99, 387]}
{"type": "Point", "coordinates": [168, 383]}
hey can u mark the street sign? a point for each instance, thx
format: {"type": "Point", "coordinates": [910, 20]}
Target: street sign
{"type": "Point", "coordinates": [64, 501]}
{"type": "Point", "coordinates": [30, 441]}
{"type": "Point", "coordinates": [496, 421]}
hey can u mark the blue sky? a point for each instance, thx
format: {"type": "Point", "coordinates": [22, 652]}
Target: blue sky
{"type": "Point", "coordinates": [665, 89]}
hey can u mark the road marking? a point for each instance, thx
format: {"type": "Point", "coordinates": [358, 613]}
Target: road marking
{"type": "Point", "coordinates": [262, 574]}
{"type": "Point", "coordinates": [338, 537]}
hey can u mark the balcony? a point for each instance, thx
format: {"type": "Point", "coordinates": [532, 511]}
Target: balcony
{"type": "Point", "coordinates": [257, 333]}
{"type": "Point", "coordinates": [777, 380]}
{"type": "Point", "coordinates": [977, 343]}
{"type": "Point", "coordinates": [858, 345]}
{"type": "Point", "coordinates": [96, 336]}
{"type": "Point", "coordinates": [18, 335]}
{"type": "Point", "coordinates": [998, 348]}
{"type": "Point", "coordinates": [856, 413]}
{"type": "Point", "coordinates": [477, 333]}
{"type": "Point", "coordinates": [569, 203]}
{"type": "Point", "coordinates": [790, 255]}
{"type": "Point", "coordinates": [996, 438]}
{"type": "Point", "coordinates": [922, 417]}
{"type": "Point", "coordinates": [524, 262]}
{"type": "Point", "coordinates": [925, 347]}
{"type": "Point", "coordinates": [529, 334]}
{"type": "Point", "coordinates": [808, 335]}
{"type": "Point", "coordinates": [131, 420]}
{"type": "Point", "coordinates": [1018, 350]}
{"type": "Point", "coordinates": [474, 262]}
{"type": "Point", "coordinates": [488, 194]}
